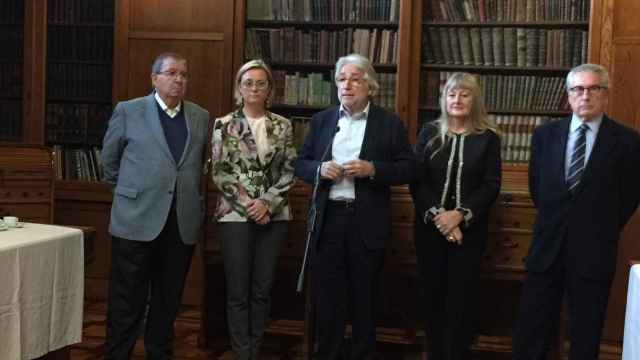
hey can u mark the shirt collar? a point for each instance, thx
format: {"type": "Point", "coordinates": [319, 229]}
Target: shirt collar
{"type": "Point", "coordinates": [593, 124]}
{"type": "Point", "coordinates": [358, 116]}
{"type": "Point", "coordinates": [164, 106]}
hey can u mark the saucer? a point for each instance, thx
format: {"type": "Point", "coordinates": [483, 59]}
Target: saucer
{"type": "Point", "coordinates": [3, 228]}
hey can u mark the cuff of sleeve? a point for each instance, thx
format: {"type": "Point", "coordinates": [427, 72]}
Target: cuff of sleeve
{"type": "Point", "coordinates": [268, 201]}
{"type": "Point", "coordinates": [467, 215]}
{"type": "Point", "coordinates": [431, 213]}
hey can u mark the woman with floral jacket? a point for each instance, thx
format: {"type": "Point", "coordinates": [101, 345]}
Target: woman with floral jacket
{"type": "Point", "coordinates": [253, 158]}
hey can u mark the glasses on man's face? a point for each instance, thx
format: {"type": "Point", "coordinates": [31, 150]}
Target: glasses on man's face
{"type": "Point", "coordinates": [579, 90]}
{"type": "Point", "coordinates": [355, 81]}
{"type": "Point", "coordinates": [175, 74]}
{"type": "Point", "coordinates": [258, 84]}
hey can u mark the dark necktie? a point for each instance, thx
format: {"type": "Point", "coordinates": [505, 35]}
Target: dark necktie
{"type": "Point", "coordinates": [576, 168]}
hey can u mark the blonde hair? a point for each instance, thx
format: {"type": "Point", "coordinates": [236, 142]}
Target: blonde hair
{"type": "Point", "coordinates": [251, 65]}
{"type": "Point", "coordinates": [480, 122]}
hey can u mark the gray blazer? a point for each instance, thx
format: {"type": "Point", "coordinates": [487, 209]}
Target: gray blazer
{"type": "Point", "coordinates": [143, 174]}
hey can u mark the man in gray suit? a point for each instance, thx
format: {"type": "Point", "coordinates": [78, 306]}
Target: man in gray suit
{"type": "Point", "coordinates": [153, 155]}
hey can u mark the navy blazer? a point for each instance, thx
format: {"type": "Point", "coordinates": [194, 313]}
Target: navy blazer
{"type": "Point", "coordinates": [385, 143]}
{"type": "Point", "coordinates": [606, 197]}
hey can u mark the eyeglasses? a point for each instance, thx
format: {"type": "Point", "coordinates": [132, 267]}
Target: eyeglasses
{"type": "Point", "coordinates": [259, 84]}
{"type": "Point", "coordinates": [175, 74]}
{"type": "Point", "coordinates": [342, 81]}
{"type": "Point", "coordinates": [579, 90]}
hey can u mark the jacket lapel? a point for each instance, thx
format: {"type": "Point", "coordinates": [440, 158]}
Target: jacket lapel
{"type": "Point", "coordinates": [271, 138]}
{"type": "Point", "coordinates": [189, 118]}
{"type": "Point", "coordinates": [370, 132]}
{"type": "Point", "coordinates": [152, 117]}
{"type": "Point", "coordinates": [329, 132]}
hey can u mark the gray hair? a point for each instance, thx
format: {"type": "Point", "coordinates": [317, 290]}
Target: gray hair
{"type": "Point", "coordinates": [251, 65]}
{"type": "Point", "coordinates": [156, 67]}
{"type": "Point", "coordinates": [363, 64]}
{"type": "Point", "coordinates": [599, 70]}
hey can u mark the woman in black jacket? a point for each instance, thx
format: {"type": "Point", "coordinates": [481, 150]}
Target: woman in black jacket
{"type": "Point", "coordinates": [458, 179]}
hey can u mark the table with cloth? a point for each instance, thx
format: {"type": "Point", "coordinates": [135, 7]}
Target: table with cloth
{"type": "Point", "coordinates": [631, 344]}
{"type": "Point", "coordinates": [41, 289]}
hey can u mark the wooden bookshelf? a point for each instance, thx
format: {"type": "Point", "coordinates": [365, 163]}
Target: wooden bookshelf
{"type": "Point", "coordinates": [78, 100]}
{"type": "Point", "coordinates": [11, 70]}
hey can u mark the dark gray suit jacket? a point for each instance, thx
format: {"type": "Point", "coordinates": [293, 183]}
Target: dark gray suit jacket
{"type": "Point", "coordinates": [139, 166]}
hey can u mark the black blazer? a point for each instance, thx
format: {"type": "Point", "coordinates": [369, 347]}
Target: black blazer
{"type": "Point", "coordinates": [605, 199]}
{"type": "Point", "coordinates": [385, 144]}
{"type": "Point", "coordinates": [481, 173]}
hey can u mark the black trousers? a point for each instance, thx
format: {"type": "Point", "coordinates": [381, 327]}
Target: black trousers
{"type": "Point", "coordinates": [449, 275]}
{"type": "Point", "coordinates": [541, 300]}
{"type": "Point", "coordinates": [250, 252]}
{"type": "Point", "coordinates": [140, 271]}
{"type": "Point", "coordinates": [345, 277]}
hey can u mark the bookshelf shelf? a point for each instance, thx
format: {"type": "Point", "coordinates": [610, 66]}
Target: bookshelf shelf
{"type": "Point", "coordinates": [81, 25]}
{"type": "Point", "coordinates": [325, 66]}
{"type": "Point", "coordinates": [520, 24]}
{"type": "Point", "coordinates": [78, 100]}
{"type": "Point", "coordinates": [497, 69]}
{"type": "Point", "coordinates": [80, 62]}
{"type": "Point", "coordinates": [322, 25]}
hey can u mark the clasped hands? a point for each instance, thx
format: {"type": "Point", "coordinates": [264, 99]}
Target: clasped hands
{"type": "Point", "coordinates": [448, 223]}
{"type": "Point", "coordinates": [353, 168]}
{"type": "Point", "coordinates": [257, 211]}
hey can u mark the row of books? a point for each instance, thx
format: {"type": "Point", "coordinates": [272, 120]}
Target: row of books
{"type": "Point", "coordinates": [10, 79]}
{"type": "Point", "coordinates": [83, 81]}
{"type": "Point", "coordinates": [78, 163]}
{"type": "Point", "coordinates": [11, 11]}
{"type": "Point", "coordinates": [510, 92]}
{"type": "Point", "coordinates": [76, 123]}
{"type": "Point", "coordinates": [81, 11]}
{"type": "Point", "coordinates": [516, 134]}
{"type": "Point", "coordinates": [317, 89]}
{"type": "Point", "coordinates": [12, 40]}
{"type": "Point", "coordinates": [11, 122]}
{"type": "Point", "coordinates": [507, 10]}
{"type": "Point", "coordinates": [505, 46]}
{"type": "Point", "coordinates": [303, 89]}
{"type": "Point", "coordinates": [80, 43]}
{"type": "Point", "coordinates": [323, 10]}
{"type": "Point", "coordinates": [292, 45]}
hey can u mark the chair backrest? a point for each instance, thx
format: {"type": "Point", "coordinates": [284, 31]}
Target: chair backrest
{"type": "Point", "coordinates": [26, 182]}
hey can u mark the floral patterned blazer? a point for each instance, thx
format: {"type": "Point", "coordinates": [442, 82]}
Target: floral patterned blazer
{"type": "Point", "coordinates": [239, 173]}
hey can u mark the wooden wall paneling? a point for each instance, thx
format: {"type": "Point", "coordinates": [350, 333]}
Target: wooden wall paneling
{"type": "Point", "coordinates": [200, 30]}
{"type": "Point", "coordinates": [408, 81]}
{"type": "Point", "coordinates": [35, 51]}
{"type": "Point", "coordinates": [206, 66]}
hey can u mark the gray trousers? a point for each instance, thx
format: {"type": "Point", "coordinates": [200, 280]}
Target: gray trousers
{"type": "Point", "coordinates": [250, 254]}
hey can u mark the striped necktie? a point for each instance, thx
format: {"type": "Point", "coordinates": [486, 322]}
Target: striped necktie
{"type": "Point", "coordinates": [577, 159]}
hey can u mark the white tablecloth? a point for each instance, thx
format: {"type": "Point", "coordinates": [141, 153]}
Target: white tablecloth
{"type": "Point", "coordinates": [631, 345]}
{"type": "Point", "coordinates": [41, 290]}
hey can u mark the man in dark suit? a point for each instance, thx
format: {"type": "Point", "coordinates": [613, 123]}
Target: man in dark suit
{"type": "Point", "coordinates": [584, 178]}
{"type": "Point", "coordinates": [358, 150]}
{"type": "Point", "coordinates": [153, 159]}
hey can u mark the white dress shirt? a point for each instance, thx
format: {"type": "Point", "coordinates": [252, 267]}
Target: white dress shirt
{"type": "Point", "coordinates": [346, 146]}
{"type": "Point", "coordinates": [172, 112]}
{"type": "Point", "coordinates": [591, 134]}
